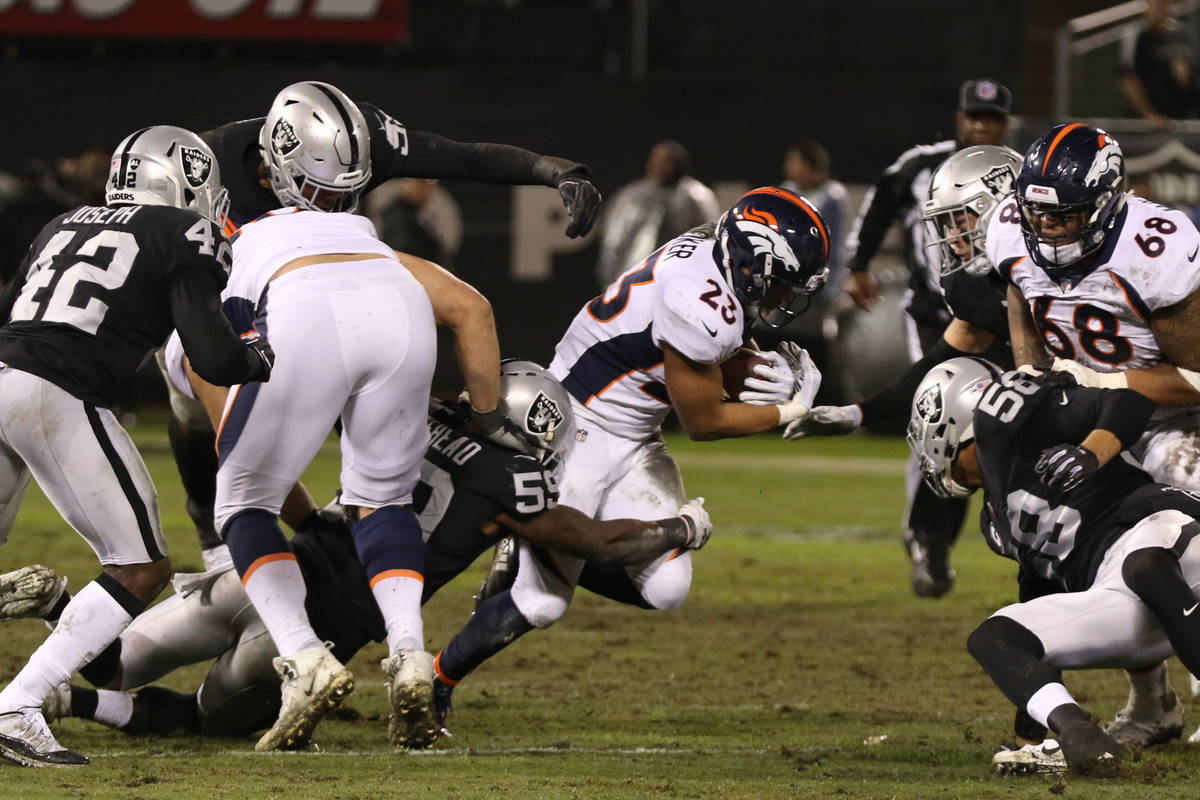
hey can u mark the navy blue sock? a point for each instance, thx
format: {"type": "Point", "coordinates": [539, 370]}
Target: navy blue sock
{"type": "Point", "coordinates": [390, 541]}
{"type": "Point", "coordinates": [252, 535]}
{"type": "Point", "coordinates": [497, 624]}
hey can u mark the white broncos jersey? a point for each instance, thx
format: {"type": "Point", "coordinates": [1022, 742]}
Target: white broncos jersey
{"type": "Point", "coordinates": [611, 358]}
{"type": "Point", "coordinates": [261, 247]}
{"type": "Point", "coordinates": [1148, 263]}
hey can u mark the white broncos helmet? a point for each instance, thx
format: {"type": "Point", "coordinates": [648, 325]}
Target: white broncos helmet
{"type": "Point", "coordinates": [964, 192]}
{"type": "Point", "coordinates": [942, 419]}
{"type": "Point", "coordinates": [538, 420]}
{"type": "Point", "coordinates": [167, 166]}
{"type": "Point", "coordinates": [316, 147]}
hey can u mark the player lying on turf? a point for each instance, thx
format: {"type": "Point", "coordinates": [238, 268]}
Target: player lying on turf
{"type": "Point", "coordinates": [1108, 569]}
{"type": "Point", "coordinates": [467, 481]}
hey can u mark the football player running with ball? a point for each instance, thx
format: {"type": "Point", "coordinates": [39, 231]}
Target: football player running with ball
{"type": "Point", "coordinates": [653, 342]}
{"type": "Point", "coordinates": [101, 288]}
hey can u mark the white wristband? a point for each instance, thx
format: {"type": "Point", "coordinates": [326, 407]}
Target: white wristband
{"type": "Point", "coordinates": [791, 411]}
{"type": "Point", "coordinates": [1113, 380]}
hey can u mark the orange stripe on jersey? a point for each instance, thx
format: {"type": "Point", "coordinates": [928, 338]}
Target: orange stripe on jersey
{"type": "Point", "coordinates": [1054, 144]}
{"type": "Point", "coordinates": [397, 573]}
{"type": "Point", "coordinates": [798, 200]}
{"type": "Point", "coordinates": [1129, 300]}
{"type": "Point", "coordinates": [224, 416]}
{"type": "Point", "coordinates": [609, 385]}
{"type": "Point", "coordinates": [266, 560]}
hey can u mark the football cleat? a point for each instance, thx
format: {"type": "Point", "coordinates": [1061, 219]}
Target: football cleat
{"type": "Point", "coordinates": [503, 571]}
{"type": "Point", "coordinates": [58, 703]}
{"type": "Point", "coordinates": [314, 683]}
{"type": "Point", "coordinates": [26, 739]}
{"type": "Point", "coordinates": [30, 592]}
{"type": "Point", "coordinates": [930, 573]}
{"type": "Point", "coordinates": [1139, 730]}
{"type": "Point", "coordinates": [443, 704]}
{"type": "Point", "coordinates": [413, 722]}
{"type": "Point", "coordinates": [1032, 759]}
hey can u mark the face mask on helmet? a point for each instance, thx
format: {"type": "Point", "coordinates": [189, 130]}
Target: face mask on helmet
{"type": "Point", "coordinates": [1070, 195]}
{"type": "Point", "coordinates": [942, 419]}
{"type": "Point", "coordinates": [538, 420]}
{"type": "Point", "coordinates": [316, 148]}
{"type": "Point", "coordinates": [167, 166]}
{"type": "Point", "coordinates": [773, 249]}
{"type": "Point", "coordinates": [964, 192]}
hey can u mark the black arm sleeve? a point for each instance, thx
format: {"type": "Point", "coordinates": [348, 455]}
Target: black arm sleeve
{"type": "Point", "coordinates": [1124, 413]}
{"type": "Point", "coordinates": [895, 399]}
{"type": "Point", "coordinates": [433, 156]}
{"type": "Point", "coordinates": [216, 353]}
{"type": "Point", "coordinates": [877, 215]}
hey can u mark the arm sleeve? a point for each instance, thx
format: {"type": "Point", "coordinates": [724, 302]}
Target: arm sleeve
{"type": "Point", "coordinates": [216, 353]}
{"type": "Point", "coordinates": [878, 211]}
{"type": "Point", "coordinates": [433, 156]}
{"type": "Point", "coordinates": [895, 399]}
{"type": "Point", "coordinates": [1124, 413]}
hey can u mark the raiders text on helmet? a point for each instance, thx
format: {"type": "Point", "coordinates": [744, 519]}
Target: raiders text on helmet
{"type": "Point", "coordinates": [537, 412]}
{"type": "Point", "coordinates": [1070, 194]}
{"type": "Point", "coordinates": [772, 246]}
{"type": "Point", "coordinates": [942, 419]}
{"type": "Point", "coordinates": [964, 192]}
{"type": "Point", "coordinates": [316, 147]}
{"type": "Point", "coordinates": [167, 166]}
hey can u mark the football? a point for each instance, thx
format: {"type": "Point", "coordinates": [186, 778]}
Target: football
{"type": "Point", "coordinates": [736, 369]}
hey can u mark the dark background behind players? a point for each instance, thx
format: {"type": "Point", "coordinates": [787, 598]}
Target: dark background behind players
{"type": "Point", "coordinates": [738, 85]}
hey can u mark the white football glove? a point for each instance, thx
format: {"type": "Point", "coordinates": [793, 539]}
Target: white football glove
{"type": "Point", "coordinates": [807, 382]}
{"type": "Point", "coordinates": [698, 524]}
{"type": "Point", "coordinates": [769, 384]}
{"type": "Point", "coordinates": [1086, 376]}
{"type": "Point", "coordinates": [824, 421]}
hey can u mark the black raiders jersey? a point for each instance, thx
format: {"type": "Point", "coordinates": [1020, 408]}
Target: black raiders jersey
{"type": "Point", "coordinates": [103, 286]}
{"type": "Point", "coordinates": [1056, 535]}
{"type": "Point", "coordinates": [980, 301]}
{"type": "Point", "coordinates": [396, 152]}
{"type": "Point", "coordinates": [466, 480]}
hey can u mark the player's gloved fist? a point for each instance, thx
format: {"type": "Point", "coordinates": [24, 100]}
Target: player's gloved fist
{"type": "Point", "coordinates": [485, 423]}
{"type": "Point", "coordinates": [1066, 466]}
{"type": "Point", "coordinates": [261, 348]}
{"type": "Point", "coordinates": [582, 199]}
{"type": "Point", "coordinates": [824, 421]}
{"type": "Point", "coordinates": [699, 526]}
{"type": "Point", "coordinates": [769, 384]}
{"type": "Point", "coordinates": [1086, 376]}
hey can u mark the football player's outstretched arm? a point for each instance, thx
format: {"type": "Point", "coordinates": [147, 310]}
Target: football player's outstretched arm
{"type": "Point", "coordinates": [1022, 332]}
{"type": "Point", "coordinates": [457, 305]}
{"type": "Point", "coordinates": [1175, 331]}
{"type": "Point", "coordinates": [614, 541]}
{"type": "Point", "coordinates": [696, 390]}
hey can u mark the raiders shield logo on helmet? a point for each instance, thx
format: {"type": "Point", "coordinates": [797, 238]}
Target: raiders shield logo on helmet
{"type": "Point", "coordinates": [1000, 181]}
{"type": "Point", "coordinates": [929, 404]}
{"type": "Point", "coordinates": [544, 415]}
{"type": "Point", "coordinates": [283, 138]}
{"type": "Point", "coordinates": [196, 166]}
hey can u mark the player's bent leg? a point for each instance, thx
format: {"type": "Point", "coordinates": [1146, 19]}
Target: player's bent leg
{"type": "Point", "coordinates": [241, 692]}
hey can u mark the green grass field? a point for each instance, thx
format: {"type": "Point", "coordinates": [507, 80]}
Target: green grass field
{"type": "Point", "coordinates": [802, 666]}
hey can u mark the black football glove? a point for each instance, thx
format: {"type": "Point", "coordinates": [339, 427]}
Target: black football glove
{"type": "Point", "coordinates": [262, 348]}
{"type": "Point", "coordinates": [1066, 466]}
{"type": "Point", "coordinates": [582, 199]}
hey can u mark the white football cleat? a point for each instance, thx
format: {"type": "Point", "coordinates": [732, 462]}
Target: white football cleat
{"type": "Point", "coordinates": [26, 739]}
{"type": "Point", "coordinates": [1139, 729]}
{"type": "Point", "coordinates": [1032, 759]}
{"type": "Point", "coordinates": [314, 683]}
{"type": "Point", "coordinates": [58, 703]}
{"type": "Point", "coordinates": [30, 591]}
{"type": "Point", "coordinates": [413, 722]}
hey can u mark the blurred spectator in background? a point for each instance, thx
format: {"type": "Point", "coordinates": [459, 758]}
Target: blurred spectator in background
{"type": "Point", "coordinates": [806, 171]}
{"type": "Point", "coordinates": [1156, 68]}
{"type": "Point", "coordinates": [652, 210]}
{"type": "Point", "coordinates": [931, 523]}
{"type": "Point", "coordinates": [419, 217]}
{"type": "Point", "coordinates": [40, 193]}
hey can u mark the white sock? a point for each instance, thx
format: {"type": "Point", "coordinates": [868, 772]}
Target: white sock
{"type": "Point", "coordinates": [276, 588]}
{"type": "Point", "coordinates": [1046, 699]}
{"type": "Point", "coordinates": [89, 623]}
{"type": "Point", "coordinates": [113, 708]}
{"type": "Point", "coordinates": [399, 599]}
